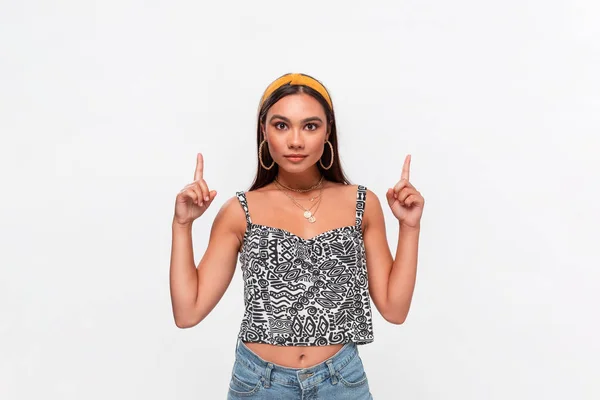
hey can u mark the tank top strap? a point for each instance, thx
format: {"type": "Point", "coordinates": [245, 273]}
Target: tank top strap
{"type": "Point", "coordinates": [244, 202]}
{"type": "Point", "coordinates": [361, 198]}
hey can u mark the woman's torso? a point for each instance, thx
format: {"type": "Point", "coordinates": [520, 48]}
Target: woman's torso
{"type": "Point", "coordinates": [293, 356]}
{"type": "Point", "coordinates": [270, 208]}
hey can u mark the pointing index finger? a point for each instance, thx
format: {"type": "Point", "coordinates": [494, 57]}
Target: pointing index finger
{"type": "Point", "coordinates": [199, 167]}
{"type": "Point", "coordinates": [406, 168]}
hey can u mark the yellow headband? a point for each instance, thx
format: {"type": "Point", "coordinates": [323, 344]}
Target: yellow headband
{"type": "Point", "coordinates": [296, 79]}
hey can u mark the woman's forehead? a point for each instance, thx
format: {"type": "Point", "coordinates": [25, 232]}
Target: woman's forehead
{"type": "Point", "coordinates": [298, 105]}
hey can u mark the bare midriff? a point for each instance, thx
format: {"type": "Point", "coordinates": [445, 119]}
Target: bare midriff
{"type": "Point", "coordinates": [294, 356]}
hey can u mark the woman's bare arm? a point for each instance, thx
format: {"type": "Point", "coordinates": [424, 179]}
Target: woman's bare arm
{"type": "Point", "coordinates": [196, 291]}
{"type": "Point", "coordinates": [392, 280]}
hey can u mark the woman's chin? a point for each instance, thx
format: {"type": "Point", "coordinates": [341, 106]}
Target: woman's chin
{"type": "Point", "coordinates": [294, 167]}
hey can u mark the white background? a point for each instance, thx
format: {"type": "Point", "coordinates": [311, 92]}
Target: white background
{"type": "Point", "coordinates": [104, 105]}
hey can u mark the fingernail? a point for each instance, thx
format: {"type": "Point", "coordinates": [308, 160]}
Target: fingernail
{"type": "Point", "coordinates": [206, 198]}
{"type": "Point", "coordinates": [200, 204]}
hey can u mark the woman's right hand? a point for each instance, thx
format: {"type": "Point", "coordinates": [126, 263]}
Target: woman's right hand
{"type": "Point", "coordinates": [195, 198]}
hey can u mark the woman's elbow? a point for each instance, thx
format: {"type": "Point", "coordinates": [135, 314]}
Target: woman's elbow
{"type": "Point", "coordinates": [184, 322]}
{"type": "Point", "coordinates": [397, 319]}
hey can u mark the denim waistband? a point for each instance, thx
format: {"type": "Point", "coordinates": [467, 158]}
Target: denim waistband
{"type": "Point", "coordinates": [300, 377]}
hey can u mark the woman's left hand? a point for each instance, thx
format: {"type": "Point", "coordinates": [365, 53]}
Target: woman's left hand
{"type": "Point", "coordinates": [405, 201]}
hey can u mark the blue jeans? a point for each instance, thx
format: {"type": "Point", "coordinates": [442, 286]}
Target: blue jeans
{"type": "Point", "coordinates": [340, 377]}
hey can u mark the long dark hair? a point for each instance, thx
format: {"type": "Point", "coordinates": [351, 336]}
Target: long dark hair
{"type": "Point", "coordinates": [264, 177]}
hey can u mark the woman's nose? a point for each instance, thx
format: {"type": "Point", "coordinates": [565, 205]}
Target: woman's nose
{"type": "Point", "coordinates": [295, 140]}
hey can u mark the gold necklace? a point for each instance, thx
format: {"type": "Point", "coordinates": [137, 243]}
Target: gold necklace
{"type": "Point", "coordinates": [311, 199]}
{"type": "Point", "coordinates": [316, 185]}
{"type": "Point", "coordinates": [308, 214]}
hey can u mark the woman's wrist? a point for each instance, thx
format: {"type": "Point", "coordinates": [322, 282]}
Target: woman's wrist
{"type": "Point", "coordinates": [178, 226]}
{"type": "Point", "coordinates": [407, 228]}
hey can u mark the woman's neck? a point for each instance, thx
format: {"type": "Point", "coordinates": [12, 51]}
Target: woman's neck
{"type": "Point", "coordinates": [299, 181]}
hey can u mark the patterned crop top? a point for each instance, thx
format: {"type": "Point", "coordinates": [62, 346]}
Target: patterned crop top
{"type": "Point", "coordinates": [305, 292]}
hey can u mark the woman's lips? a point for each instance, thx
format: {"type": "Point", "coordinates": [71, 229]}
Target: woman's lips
{"type": "Point", "coordinates": [295, 158]}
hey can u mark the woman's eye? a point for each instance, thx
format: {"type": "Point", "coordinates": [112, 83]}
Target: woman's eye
{"type": "Point", "coordinates": [311, 127]}
{"type": "Point", "coordinates": [279, 125]}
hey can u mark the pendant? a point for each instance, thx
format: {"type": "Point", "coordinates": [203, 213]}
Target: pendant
{"type": "Point", "coordinates": [312, 219]}
{"type": "Point", "coordinates": [307, 214]}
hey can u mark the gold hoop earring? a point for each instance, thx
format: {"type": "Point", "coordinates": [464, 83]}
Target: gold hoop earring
{"type": "Point", "coordinates": [260, 156]}
{"type": "Point", "coordinates": [331, 162]}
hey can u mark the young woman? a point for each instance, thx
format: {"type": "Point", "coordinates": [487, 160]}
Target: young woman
{"type": "Point", "coordinates": [313, 253]}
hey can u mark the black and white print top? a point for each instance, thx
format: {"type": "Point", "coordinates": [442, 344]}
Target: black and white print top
{"type": "Point", "coordinates": [305, 292]}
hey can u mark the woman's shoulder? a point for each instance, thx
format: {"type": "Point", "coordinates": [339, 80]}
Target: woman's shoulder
{"type": "Point", "coordinates": [353, 189]}
{"type": "Point", "coordinates": [232, 213]}
{"type": "Point", "coordinates": [257, 194]}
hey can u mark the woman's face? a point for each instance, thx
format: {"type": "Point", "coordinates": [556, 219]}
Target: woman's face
{"type": "Point", "coordinates": [296, 126]}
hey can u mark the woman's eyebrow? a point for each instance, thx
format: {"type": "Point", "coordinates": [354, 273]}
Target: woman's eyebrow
{"type": "Point", "coordinates": [288, 120]}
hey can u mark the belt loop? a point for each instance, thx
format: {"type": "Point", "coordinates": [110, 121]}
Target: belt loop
{"type": "Point", "coordinates": [331, 371]}
{"type": "Point", "coordinates": [268, 375]}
